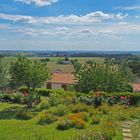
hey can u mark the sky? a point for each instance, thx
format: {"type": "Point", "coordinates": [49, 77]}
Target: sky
{"type": "Point", "coordinates": [96, 25]}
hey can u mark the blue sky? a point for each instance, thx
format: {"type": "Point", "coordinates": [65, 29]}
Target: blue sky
{"type": "Point", "coordinates": [98, 25]}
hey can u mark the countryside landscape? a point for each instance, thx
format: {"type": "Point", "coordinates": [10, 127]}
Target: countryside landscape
{"type": "Point", "coordinates": [69, 70]}
{"type": "Point", "coordinates": [85, 110]}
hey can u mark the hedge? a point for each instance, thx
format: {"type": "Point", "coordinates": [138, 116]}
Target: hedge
{"type": "Point", "coordinates": [41, 91]}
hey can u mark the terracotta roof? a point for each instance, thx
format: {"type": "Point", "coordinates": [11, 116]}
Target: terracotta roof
{"type": "Point", "coordinates": [62, 78]}
{"type": "Point", "coordinates": [136, 87]}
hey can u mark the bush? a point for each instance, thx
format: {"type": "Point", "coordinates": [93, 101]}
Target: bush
{"type": "Point", "coordinates": [79, 108]}
{"type": "Point", "coordinates": [54, 100]}
{"type": "Point", "coordinates": [60, 110]}
{"type": "Point", "coordinates": [24, 114]}
{"type": "Point", "coordinates": [95, 119]}
{"type": "Point", "coordinates": [17, 98]}
{"type": "Point", "coordinates": [79, 119]}
{"type": "Point", "coordinates": [44, 92]}
{"type": "Point", "coordinates": [64, 124]}
{"type": "Point", "coordinates": [81, 115]}
{"type": "Point", "coordinates": [47, 118]}
{"type": "Point", "coordinates": [44, 105]}
{"type": "Point", "coordinates": [124, 98]}
{"type": "Point", "coordinates": [79, 124]}
{"type": "Point", "coordinates": [23, 89]}
{"type": "Point", "coordinates": [1, 97]}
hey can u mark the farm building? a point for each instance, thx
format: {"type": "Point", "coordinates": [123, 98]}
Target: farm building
{"type": "Point", "coordinates": [60, 80]}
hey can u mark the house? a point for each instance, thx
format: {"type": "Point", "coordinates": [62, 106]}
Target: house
{"type": "Point", "coordinates": [61, 80]}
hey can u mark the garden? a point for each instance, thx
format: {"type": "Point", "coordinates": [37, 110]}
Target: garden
{"type": "Point", "coordinates": [59, 114]}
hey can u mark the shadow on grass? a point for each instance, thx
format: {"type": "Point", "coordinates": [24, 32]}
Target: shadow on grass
{"type": "Point", "coordinates": [9, 113]}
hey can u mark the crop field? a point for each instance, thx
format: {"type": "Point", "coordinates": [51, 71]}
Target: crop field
{"type": "Point", "coordinates": [52, 64]}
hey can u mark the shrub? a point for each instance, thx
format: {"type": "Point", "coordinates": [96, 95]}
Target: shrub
{"type": "Point", "coordinates": [17, 98]}
{"type": "Point", "coordinates": [64, 124]}
{"type": "Point", "coordinates": [125, 98]}
{"type": "Point", "coordinates": [60, 110]}
{"type": "Point", "coordinates": [23, 89]}
{"type": "Point", "coordinates": [80, 115]}
{"type": "Point", "coordinates": [79, 124]}
{"type": "Point", "coordinates": [79, 108]}
{"type": "Point", "coordinates": [79, 119]}
{"type": "Point", "coordinates": [54, 100]}
{"type": "Point", "coordinates": [6, 97]}
{"type": "Point", "coordinates": [97, 100]}
{"type": "Point", "coordinates": [1, 97]}
{"type": "Point", "coordinates": [95, 119]}
{"type": "Point", "coordinates": [112, 100]}
{"type": "Point", "coordinates": [47, 118]}
{"type": "Point", "coordinates": [44, 92]}
{"type": "Point", "coordinates": [44, 105]}
{"type": "Point", "coordinates": [24, 114]}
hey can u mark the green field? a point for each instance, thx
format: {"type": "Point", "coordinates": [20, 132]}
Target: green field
{"type": "Point", "coordinates": [52, 64]}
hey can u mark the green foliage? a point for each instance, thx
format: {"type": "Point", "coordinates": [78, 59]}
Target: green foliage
{"type": "Point", "coordinates": [30, 73]}
{"type": "Point", "coordinates": [62, 97]}
{"type": "Point", "coordinates": [79, 108]}
{"type": "Point", "coordinates": [95, 119]}
{"type": "Point", "coordinates": [88, 135]}
{"type": "Point", "coordinates": [47, 118]}
{"type": "Point", "coordinates": [101, 77]}
{"type": "Point", "coordinates": [5, 97]}
{"type": "Point", "coordinates": [23, 89]}
{"type": "Point", "coordinates": [64, 124]}
{"type": "Point", "coordinates": [3, 74]}
{"type": "Point", "coordinates": [44, 92]}
{"type": "Point", "coordinates": [61, 110]}
{"type": "Point", "coordinates": [54, 100]}
{"type": "Point", "coordinates": [24, 114]}
{"type": "Point", "coordinates": [44, 104]}
{"type": "Point", "coordinates": [16, 98]}
{"type": "Point", "coordinates": [108, 130]}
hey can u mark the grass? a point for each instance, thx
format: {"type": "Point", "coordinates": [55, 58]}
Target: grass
{"type": "Point", "coordinates": [52, 64]}
{"type": "Point", "coordinates": [14, 129]}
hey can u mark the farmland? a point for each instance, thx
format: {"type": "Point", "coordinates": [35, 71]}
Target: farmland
{"type": "Point", "coordinates": [52, 64]}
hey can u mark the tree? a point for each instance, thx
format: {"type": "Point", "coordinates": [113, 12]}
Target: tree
{"type": "Point", "coordinates": [3, 74]}
{"type": "Point", "coordinates": [31, 73]}
{"type": "Point", "coordinates": [101, 77]}
{"type": "Point", "coordinates": [135, 66]}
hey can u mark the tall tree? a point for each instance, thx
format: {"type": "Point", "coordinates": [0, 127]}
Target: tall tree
{"type": "Point", "coordinates": [103, 77]}
{"type": "Point", "coordinates": [3, 74]}
{"type": "Point", "coordinates": [31, 73]}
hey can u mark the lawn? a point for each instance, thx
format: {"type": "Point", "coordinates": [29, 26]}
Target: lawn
{"type": "Point", "coordinates": [12, 128]}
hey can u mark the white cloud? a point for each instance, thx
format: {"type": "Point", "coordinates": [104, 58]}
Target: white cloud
{"type": "Point", "coordinates": [17, 18]}
{"type": "Point", "coordinates": [90, 18]}
{"type": "Point", "coordinates": [137, 7]}
{"type": "Point", "coordinates": [38, 2]}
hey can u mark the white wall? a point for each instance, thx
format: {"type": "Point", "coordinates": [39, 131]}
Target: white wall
{"type": "Point", "coordinates": [56, 86]}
